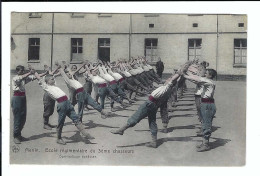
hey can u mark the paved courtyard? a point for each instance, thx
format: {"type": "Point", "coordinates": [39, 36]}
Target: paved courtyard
{"type": "Point", "coordinates": [176, 148]}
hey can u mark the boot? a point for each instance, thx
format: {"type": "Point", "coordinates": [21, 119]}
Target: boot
{"type": "Point", "coordinates": [204, 146]}
{"type": "Point", "coordinates": [45, 122]}
{"type": "Point", "coordinates": [59, 139]}
{"type": "Point", "coordinates": [22, 139]}
{"type": "Point", "coordinates": [113, 109]}
{"type": "Point", "coordinates": [82, 130]}
{"type": "Point", "coordinates": [120, 130]}
{"type": "Point", "coordinates": [52, 126]}
{"type": "Point", "coordinates": [104, 114]}
{"type": "Point", "coordinates": [165, 130]}
{"type": "Point", "coordinates": [152, 144]}
{"type": "Point", "coordinates": [47, 127]}
{"type": "Point", "coordinates": [17, 140]}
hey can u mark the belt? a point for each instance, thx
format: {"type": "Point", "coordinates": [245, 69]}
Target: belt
{"type": "Point", "coordinates": [151, 98]}
{"type": "Point", "coordinates": [18, 93]}
{"type": "Point", "coordinates": [62, 99]}
{"type": "Point", "coordinates": [112, 82]}
{"type": "Point", "coordinates": [120, 80]}
{"type": "Point", "coordinates": [102, 85]}
{"type": "Point", "coordinates": [79, 90]}
{"type": "Point", "coordinates": [207, 100]}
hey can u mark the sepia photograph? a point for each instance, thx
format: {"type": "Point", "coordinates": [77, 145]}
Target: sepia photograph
{"type": "Point", "coordinates": [113, 88]}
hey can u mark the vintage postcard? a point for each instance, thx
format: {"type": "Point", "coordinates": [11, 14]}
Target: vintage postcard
{"type": "Point", "coordinates": [117, 46]}
{"type": "Point", "coordinates": [128, 88]}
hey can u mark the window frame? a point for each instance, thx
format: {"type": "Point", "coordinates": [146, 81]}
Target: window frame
{"type": "Point", "coordinates": [30, 47]}
{"type": "Point", "coordinates": [77, 48]}
{"type": "Point", "coordinates": [106, 45]}
{"type": "Point", "coordinates": [241, 25]}
{"type": "Point", "coordinates": [152, 47]}
{"type": "Point", "coordinates": [194, 47]}
{"type": "Point", "coordinates": [195, 25]}
{"type": "Point", "coordinates": [151, 25]}
{"type": "Point", "coordinates": [103, 46]}
{"type": "Point", "coordinates": [239, 65]}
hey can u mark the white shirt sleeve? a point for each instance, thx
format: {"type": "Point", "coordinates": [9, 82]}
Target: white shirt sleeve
{"type": "Point", "coordinates": [65, 77]}
{"type": "Point", "coordinates": [43, 84]}
{"type": "Point", "coordinates": [30, 78]}
{"type": "Point", "coordinates": [204, 80]}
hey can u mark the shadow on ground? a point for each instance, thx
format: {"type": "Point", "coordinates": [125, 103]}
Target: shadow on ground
{"type": "Point", "coordinates": [76, 138]}
{"type": "Point", "coordinates": [91, 124]}
{"type": "Point", "coordinates": [218, 142]}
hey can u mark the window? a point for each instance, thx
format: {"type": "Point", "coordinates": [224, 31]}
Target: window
{"type": "Point", "coordinates": [240, 52]}
{"type": "Point", "coordinates": [151, 49]}
{"type": "Point", "coordinates": [194, 49]}
{"type": "Point", "coordinates": [77, 15]}
{"type": "Point", "coordinates": [151, 25]}
{"type": "Point", "coordinates": [35, 15]}
{"type": "Point", "coordinates": [104, 42]}
{"type": "Point", "coordinates": [104, 49]}
{"type": "Point", "coordinates": [195, 25]}
{"type": "Point", "coordinates": [34, 49]}
{"type": "Point", "coordinates": [240, 24]}
{"type": "Point", "coordinates": [76, 49]}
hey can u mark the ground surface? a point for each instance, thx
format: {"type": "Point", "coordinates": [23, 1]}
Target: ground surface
{"type": "Point", "coordinates": [176, 148]}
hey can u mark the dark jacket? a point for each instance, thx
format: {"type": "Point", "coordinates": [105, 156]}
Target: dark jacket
{"type": "Point", "coordinates": [159, 66]}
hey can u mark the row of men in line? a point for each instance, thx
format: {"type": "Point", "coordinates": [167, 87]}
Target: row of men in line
{"type": "Point", "coordinates": [158, 99]}
{"type": "Point", "coordinates": [204, 97]}
{"type": "Point", "coordinates": [106, 83]}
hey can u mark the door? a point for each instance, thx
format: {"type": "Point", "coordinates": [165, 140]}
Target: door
{"type": "Point", "coordinates": [151, 49]}
{"type": "Point", "coordinates": [104, 49]}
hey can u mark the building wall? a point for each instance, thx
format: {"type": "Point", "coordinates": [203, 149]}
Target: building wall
{"type": "Point", "coordinates": [169, 23]}
{"type": "Point", "coordinates": [229, 23]}
{"type": "Point", "coordinates": [21, 23]}
{"type": "Point", "coordinates": [19, 56]}
{"type": "Point", "coordinates": [172, 31]}
{"type": "Point", "coordinates": [91, 23]}
{"type": "Point", "coordinates": [226, 55]}
{"type": "Point", "coordinates": [173, 48]}
{"type": "Point", "coordinates": [118, 47]}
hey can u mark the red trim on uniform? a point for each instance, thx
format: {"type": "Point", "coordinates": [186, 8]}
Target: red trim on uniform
{"type": "Point", "coordinates": [112, 82]}
{"type": "Point", "coordinates": [151, 98]}
{"type": "Point", "coordinates": [62, 99]}
{"type": "Point", "coordinates": [102, 85]}
{"type": "Point", "coordinates": [18, 93]}
{"type": "Point", "coordinates": [207, 100]}
{"type": "Point", "coordinates": [79, 90]}
{"type": "Point", "coordinates": [120, 80]}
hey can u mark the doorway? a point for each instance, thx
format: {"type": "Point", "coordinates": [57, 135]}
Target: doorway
{"type": "Point", "coordinates": [104, 49]}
